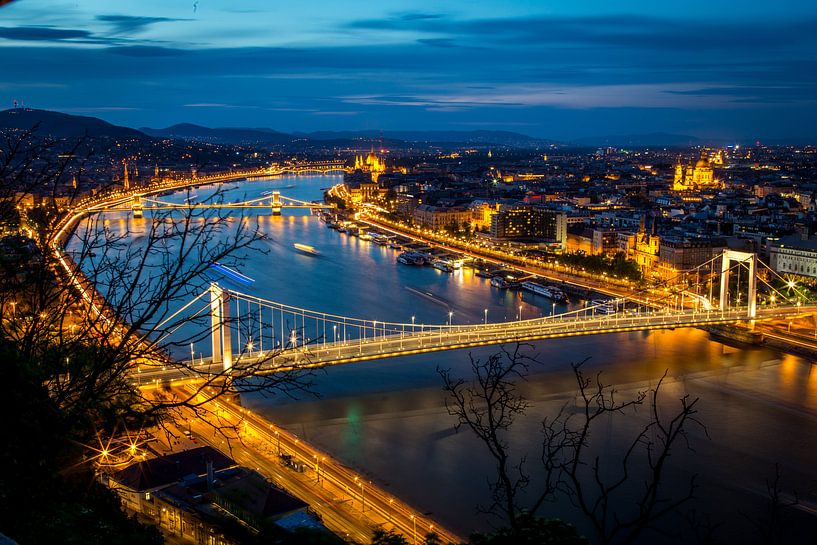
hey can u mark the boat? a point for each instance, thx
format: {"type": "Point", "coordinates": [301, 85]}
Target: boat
{"type": "Point", "coordinates": [499, 282]}
{"type": "Point", "coordinates": [365, 236]}
{"type": "Point", "coordinates": [603, 306]}
{"type": "Point", "coordinates": [551, 292]}
{"type": "Point", "coordinates": [484, 274]}
{"type": "Point", "coordinates": [305, 248]}
{"type": "Point", "coordinates": [395, 246]}
{"type": "Point", "coordinates": [232, 274]}
{"type": "Point", "coordinates": [443, 266]}
{"type": "Point", "coordinates": [411, 258]}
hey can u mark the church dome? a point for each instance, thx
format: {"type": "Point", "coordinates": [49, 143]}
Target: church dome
{"type": "Point", "coordinates": [702, 163]}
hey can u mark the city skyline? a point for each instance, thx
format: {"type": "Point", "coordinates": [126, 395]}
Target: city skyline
{"type": "Point", "coordinates": [547, 70]}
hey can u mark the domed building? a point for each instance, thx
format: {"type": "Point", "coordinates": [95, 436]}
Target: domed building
{"type": "Point", "coordinates": [371, 163]}
{"type": "Point", "coordinates": [694, 178]}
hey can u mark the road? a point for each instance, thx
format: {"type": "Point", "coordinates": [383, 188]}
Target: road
{"type": "Point", "coordinates": [423, 340]}
{"type": "Point", "coordinates": [606, 288]}
{"type": "Point", "coordinates": [348, 504]}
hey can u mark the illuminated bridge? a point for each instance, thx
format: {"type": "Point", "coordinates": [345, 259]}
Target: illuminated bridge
{"type": "Point", "coordinates": [250, 332]}
{"type": "Point", "coordinates": [273, 202]}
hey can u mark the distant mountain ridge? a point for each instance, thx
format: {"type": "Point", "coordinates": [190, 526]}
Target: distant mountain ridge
{"type": "Point", "coordinates": [61, 125]}
{"type": "Point", "coordinates": [640, 140]}
{"type": "Point", "coordinates": [222, 135]}
{"type": "Point", "coordinates": [433, 136]}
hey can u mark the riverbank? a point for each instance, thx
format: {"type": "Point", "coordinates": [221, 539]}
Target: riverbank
{"type": "Point", "coordinates": [610, 286]}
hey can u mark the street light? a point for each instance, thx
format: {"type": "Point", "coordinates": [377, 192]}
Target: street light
{"type": "Point", "coordinates": [520, 313]}
{"type": "Point", "coordinates": [414, 520]}
{"type": "Point", "coordinates": [486, 316]}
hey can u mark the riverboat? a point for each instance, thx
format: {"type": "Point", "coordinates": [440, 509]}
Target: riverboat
{"type": "Point", "coordinates": [305, 248]}
{"type": "Point", "coordinates": [551, 292]}
{"type": "Point", "coordinates": [411, 258]}
{"type": "Point", "coordinates": [232, 274]}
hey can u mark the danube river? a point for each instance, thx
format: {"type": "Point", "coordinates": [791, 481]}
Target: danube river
{"type": "Point", "coordinates": [388, 418]}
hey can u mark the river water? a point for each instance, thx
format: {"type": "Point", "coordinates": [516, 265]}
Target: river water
{"type": "Point", "coordinates": [388, 418]}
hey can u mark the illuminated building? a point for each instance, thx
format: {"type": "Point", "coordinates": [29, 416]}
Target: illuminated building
{"type": "Point", "coordinates": [794, 254]}
{"type": "Point", "coordinates": [438, 217]}
{"type": "Point", "coordinates": [371, 164]}
{"type": "Point", "coordinates": [482, 212]}
{"type": "Point", "coordinates": [693, 178]}
{"type": "Point", "coordinates": [527, 222]}
{"type": "Point", "coordinates": [125, 180]}
{"type": "Point", "coordinates": [683, 254]}
{"type": "Point", "coordinates": [646, 247]}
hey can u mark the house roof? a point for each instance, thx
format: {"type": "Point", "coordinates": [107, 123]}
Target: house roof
{"type": "Point", "coordinates": [170, 469]}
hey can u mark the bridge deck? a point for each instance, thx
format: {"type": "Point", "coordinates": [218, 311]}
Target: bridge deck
{"type": "Point", "coordinates": [438, 338]}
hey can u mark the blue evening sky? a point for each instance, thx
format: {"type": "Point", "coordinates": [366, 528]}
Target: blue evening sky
{"type": "Point", "coordinates": [558, 69]}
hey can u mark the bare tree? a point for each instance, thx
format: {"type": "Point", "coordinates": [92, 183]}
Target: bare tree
{"type": "Point", "coordinates": [488, 404]}
{"type": "Point", "coordinates": [95, 302]}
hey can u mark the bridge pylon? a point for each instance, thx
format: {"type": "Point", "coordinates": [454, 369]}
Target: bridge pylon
{"type": "Point", "coordinates": [276, 203]}
{"type": "Point", "coordinates": [137, 207]}
{"type": "Point", "coordinates": [750, 259]}
{"type": "Point", "coordinates": [220, 326]}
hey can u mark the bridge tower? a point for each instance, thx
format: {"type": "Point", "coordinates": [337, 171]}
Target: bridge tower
{"type": "Point", "coordinates": [137, 207]}
{"type": "Point", "coordinates": [220, 326]}
{"type": "Point", "coordinates": [276, 203]}
{"type": "Point", "coordinates": [750, 259]}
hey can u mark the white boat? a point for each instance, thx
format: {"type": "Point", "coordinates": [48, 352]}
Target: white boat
{"type": "Point", "coordinates": [411, 258]}
{"type": "Point", "coordinates": [305, 248]}
{"type": "Point", "coordinates": [603, 306]}
{"type": "Point", "coordinates": [551, 292]}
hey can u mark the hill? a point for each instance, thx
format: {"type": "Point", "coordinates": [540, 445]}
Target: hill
{"type": "Point", "coordinates": [60, 125]}
{"type": "Point", "coordinates": [224, 135]}
{"type": "Point", "coordinates": [478, 137]}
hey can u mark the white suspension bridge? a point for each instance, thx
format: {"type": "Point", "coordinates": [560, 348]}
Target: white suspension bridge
{"type": "Point", "coordinates": [249, 332]}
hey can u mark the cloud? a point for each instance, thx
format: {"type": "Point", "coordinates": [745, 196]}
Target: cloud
{"type": "Point", "coordinates": [145, 51]}
{"type": "Point", "coordinates": [542, 95]}
{"type": "Point", "coordinates": [437, 42]}
{"type": "Point", "coordinates": [130, 24]}
{"type": "Point", "coordinates": [329, 112]}
{"type": "Point", "coordinates": [42, 33]}
{"type": "Point", "coordinates": [619, 30]}
{"type": "Point", "coordinates": [217, 105]}
{"type": "Point", "coordinates": [98, 109]}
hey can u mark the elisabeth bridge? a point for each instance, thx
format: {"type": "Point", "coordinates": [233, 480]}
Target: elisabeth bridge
{"type": "Point", "coordinates": [248, 332]}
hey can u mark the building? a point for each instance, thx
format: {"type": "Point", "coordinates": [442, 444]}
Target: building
{"type": "Point", "coordinates": [605, 242]}
{"type": "Point", "coordinates": [645, 248]}
{"type": "Point", "coordinates": [198, 495]}
{"type": "Point", "coordinates": [682, 254]}
{"type": "Point", "coordinates": [482, 212]}
{"type": "Point", "coordinates": [794, 255]}
{"type": "Point", "coordinates": [371, 164]}
{"type": "Point", "coordinates": [437, 218]}
{"type": "Point", "coordinates": [694, 178]}
{"type": "Point", "coordinates": [529, 223]}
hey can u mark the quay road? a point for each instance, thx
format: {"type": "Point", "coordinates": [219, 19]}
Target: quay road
{"type": "Point", "coordinates": [386, 340]}
{"type": "Point", "coordinates": [349, 504]}
{"type": "Point", "coordinates": [606, 288]}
